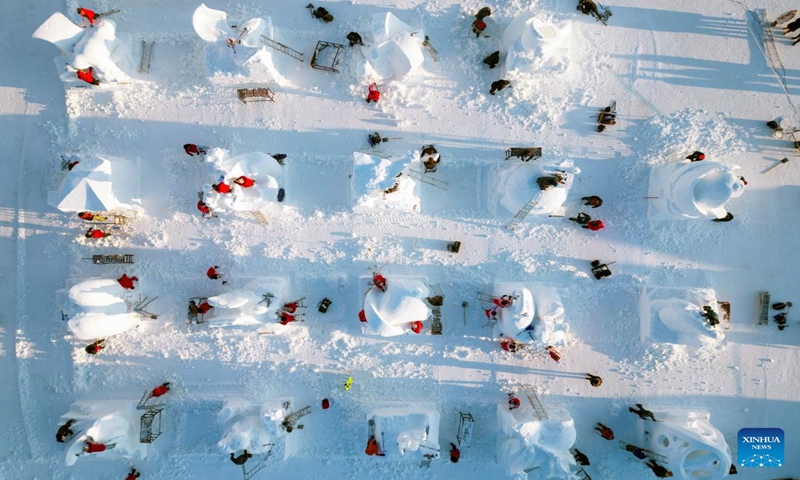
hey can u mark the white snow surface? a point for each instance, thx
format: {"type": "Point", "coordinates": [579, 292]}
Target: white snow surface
{"type": "Point", "coordinates": [100, 183]}
{"type": "Point", "coordinates": [98, 308]}
{"type": "Point", "coordinates": [373, 175]}
{"type": "Point", "coordinates": [686, 76]}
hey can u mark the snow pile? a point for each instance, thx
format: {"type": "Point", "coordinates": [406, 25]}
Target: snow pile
{"type": "Point", "coordinates": [691, 446]}
{"type": "Point", "coordinates": [235, 54]}
{"type": "Point", "coordinates": [98, 308]}
{"type": "Point", "coordinates": [516, 185]}
{"type": "Point", "coordinates": [397, 50]}
{"type": "Point", "coordinates": [391, 313]}
{"type": "Point", "coordinates": [107, 421]}
{"type": "Point", "coordinates": [403, 428]}
{"type": "Point", "coordinates": [257, 428]}
{"type": "Point", "coordinates": [247, 306]}
{"type": "Point", "coordinates": [536, 311]}
{"type": "Point", "coordinates": [100, 47]}
{"type": "Point", "coordinates": [525, 442]}
{"type": "Point", "coordinates": [537, 47]}
{"type": "Point", "coordinates": [672, 315]}
{"type": "Point", "coordinates": [265, 170]}
{"type": "Point", "coordinates": [692, 190]}
{"type": "Point", "coordinates": [383, 183]}
{"type": "Point", "coordinates": [100, 183]}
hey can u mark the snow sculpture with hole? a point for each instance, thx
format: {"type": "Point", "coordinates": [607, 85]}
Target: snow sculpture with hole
{"type": "Point", "coordinates": [101, 47]}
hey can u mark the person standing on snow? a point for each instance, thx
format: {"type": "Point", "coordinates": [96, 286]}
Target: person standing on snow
{"type": "Point", "coordinates": [380, 282]}
{"type": "Point", "coordinates": [594, 201]}
{"type": "Point", "coordinates": [126, 282]}
{"type": "Point", "coordinates": [244, 182]}
{"type": "Point", "coordinates": [696, 156]}
{"type": "Point", "coordinates": [133, 475]}
{"type": "Point", "coordinates": [96, 233]}
{"type": "Point", "coordinates": [191, 149]}
{"type": "Point", "coordinates": [213, 274]}
{"type": "Point", "coordinates": [594, 225]}
{"type": "Point", "coordinates": [492, 59]}
{"type": "Point", "coordinates": [455, 453]}
{"type": "Point", "coordinates": [513, 402]}
{"type": "Point", "coordinates": [87, 75]}
{"type": "Point", "coordinates": [95, 347]}
{"type": "Point", "coordinates": [636, 451]}
{"type": "Point", "coordinates": [604, 431]}
{"type": "Point", "coordinates": [160, 390]}
{"type": "Point", "coordinates": [88, 15]}
{"type": "Point", "coordinates": [554, 354]}
{"type": "Point", "coordinates": [509, 345]}
{"type": "Point", "coordinates": [286, 318]}
{"type": "Point", "coordinates": [354, 39]}
{"type": "Point", "coordinates": [221, 187]}
{"type": "Point", "coordinates": [374, 95]}
{"type": "Point", "coordinates": [588, 7]}
{"type": "Point", "coordinates": [580, 458]}
{"type": "Point", "coordinates": [643, 413]}
{"type": "Point", "coordinates": [581, 219]}
{"type": "Point", "coordinates": [658, 470]}
{"type": "Point", "coordinates": [478, 26]}
{"type": "Point", "coordinates": [499, 85]}
{"type": "Point", "coordinates": [205, 209]}
{"type": "Point", "coordinates": [241, 459]}
{"type": "Point", "coordinates": [594, 380]}
{"type": "Point", "coordinates": [65, 432]}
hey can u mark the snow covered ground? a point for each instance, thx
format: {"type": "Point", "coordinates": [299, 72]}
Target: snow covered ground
{"type": "Point", "coordinates": [686, 76]}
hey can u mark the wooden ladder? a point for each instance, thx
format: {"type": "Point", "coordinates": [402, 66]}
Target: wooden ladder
{"type": "Point", "coordinates": [260, 218]}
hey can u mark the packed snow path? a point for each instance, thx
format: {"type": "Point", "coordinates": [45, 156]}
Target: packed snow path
{"type": "Point", "coordinates": [687, 76]}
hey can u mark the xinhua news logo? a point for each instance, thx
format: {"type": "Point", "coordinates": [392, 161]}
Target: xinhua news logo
{"type": "Point", "coordinates": [760, 447]}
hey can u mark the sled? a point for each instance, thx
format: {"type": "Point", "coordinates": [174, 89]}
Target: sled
{"type": "Point", "coordinates": [763, 308]}
{"type": "Point", "coordinates": [453, 247]}
{"type": "Point", "coordinates": [262, 94]}
{"type": "Point", "coordinates": [600, 270]}
{"type": "Point", "coordinates": [524, 154]}
{"type": "Point", "coordinates": [465, 426]}
{"type": "Point", "coordinates": [282, 48]}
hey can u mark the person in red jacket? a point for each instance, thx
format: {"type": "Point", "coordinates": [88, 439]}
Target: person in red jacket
{"type": "Point", "coordinates": [604, 431]}
{"type": "Point", "coordinates": [160, 390]}
{"type": "Point", "coordinates": [133, 475]}
{"type": "Point", "coordinates": [221, 187]}
{"type": "Point", "coordinates": [87, 75]}
{"type": "Point", "coordinates": [92, 447]}
{"type": "Point", "coordinates": [290, 307]}
{"type": "Point", "coordinates": [94, 348]}
{"type": "Point", "coordinates": [374, 95]}
{"type": "Point", "coordinates": [191, 149]}
{"type": "Point", "coordinates": [88, 15]}
{"type": "Point", "coordinates": [96, 233]}
{"type": "Point", "coordinates": [203, 308]}
{"type": "Point", "coordinates": [416, 327]}
{"type": "Point", "coordinates": [503, 301]}
{"type": "Point", "coordinates": [127, 282]}
{"type": "Point", "coordinates": [379, 281]}
{"type": "Point", "coordinates": [455, 453]}
{"type": "Point", "coordinates": [513, 402]}
{"type": "Point", "coordinates": [554, 354]}
{"type": "Point", "coordinates": [244, 182]}
{"type": "Point", "coordinates": [286, 318]}
{"type": "Point", "coordinates": [594, 225]}
{"type": "Point", "coordinates": [213, 274]}
{"type": "Point", "coordinates": [205, 209]}
{"type": "Point", "coordinates": [509, 345]}
{"type": "Point", "coordinates": [478, 26]}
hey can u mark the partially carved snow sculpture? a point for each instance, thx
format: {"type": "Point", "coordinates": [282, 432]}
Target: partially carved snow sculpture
{"type": "Point", "coordinates": [100, 183]}
{"type": "Point", "coordinates": [536, 313]}
{"type": "Point", "coordinates": [691, 447]}
{"type": "Point", "coordinates": [265, 170]}
{"type": "Point", "coordinates": [382, 183]}
{"type": "Point", "coordinates": [537, 47]}
{"type": "Point", "coordinates": [680, 191]}
{"type": "Point", "coordinates": [526, 442]}
{"type": "Point", "coordinates": [406, 429]}
{"type": "Point", "coordinates": [98, 308]}
{"type": "Point", "coordinates": [257, 428]}
{"type": "Point", "coordinates": [247, 306]}
{"type": "Point", "coordinates": [236, 53]}
{"type": "Point", "coordinates": [392, 312]}
{"type": "Point", "coordinates": [673, 315]}
{"type": "Point", "coordinates": [397, 50]}
{"type": "Point", "coordinates": [105, 421]}
{"type": "Point", "coordinates": [101, 47]}
{"type": "Point", "coordinates": [516, 317]}
{"type": "Point", "coordinates": [516, 186]}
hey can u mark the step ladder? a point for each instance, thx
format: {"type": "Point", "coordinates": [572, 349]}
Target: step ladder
{"type": "Point", "coordinates": [425, 178]}
{"type": "Point", "coordinates": [142, 304]}
{"type": "Point", "coordinates": [282, 48]}
{"type": "Point", "coordinates": [582, 475]}
{"type": "Point", "coordinates": [763, 308]}
{"type": "Point", "coordinates": [260, 218]}
{"type": "Point", "coordinates": [147, 53]}
{"type": "Point", "coordinates": [523, 212]}
{"type": "Point", "coordinates": [538, 408]}
{"type": "Point", "coordinates": [248, 474]}
{"type": "Point", "coordinates": [150, 425]}
{"type": "Point", "coordinates": [465, 426]}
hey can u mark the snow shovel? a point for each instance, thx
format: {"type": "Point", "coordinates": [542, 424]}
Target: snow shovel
{"type": "Point", "coordinates": [783, 160]}
{"type": "Point", "coordinates": [464, 306]}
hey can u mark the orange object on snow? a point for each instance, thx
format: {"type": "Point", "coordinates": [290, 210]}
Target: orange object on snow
{"type": "Point", "coordinates": [95, 233]}
{"type": "Point", "coordinates": [286, 318]}
{"type": "Point", "coordinates": [92, 447]}
{"type": "Point", "coordinates": [374, 95]}
{"type": "Point", "coordinates": [554, 354]}
{"type": "Point", "coordinates": [372, 447]}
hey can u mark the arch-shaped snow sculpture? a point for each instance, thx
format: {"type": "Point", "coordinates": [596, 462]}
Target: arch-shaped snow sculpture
{"type": "Point", "coordinates": [61, 32]}
{"type": "Point", "coordinates": [210, 24]}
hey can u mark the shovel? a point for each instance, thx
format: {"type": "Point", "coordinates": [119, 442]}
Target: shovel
{"type": "Point", "coordinates": [783, 160]}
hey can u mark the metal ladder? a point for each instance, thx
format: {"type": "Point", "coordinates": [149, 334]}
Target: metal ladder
{"type": "Point", "coordinates": [485, 297]}
{"type": "Point", "coordinates": [252, 472]}
{"type": "Point", "coordinates": [260, 218]}
{"type": "Point", "coordinates": [147, 53]}
{"type": "Point", "coordinates": [763, 308]}
{"type": "Point", "coordinates": [465, 425]}
{"type": "Point", "coordinates": [428, 179]}
{"type": "Point", "coordinates": [293, 417]}
{"type": "Point", "coordinates": [146, 433]}
{"type": "Point", "coordinates": [282, 48]}
{"type": "Point", "coordinates": [436, 325]}
{"type": "Point", "coordinates": [538, 408]}
{"type": "Point", "coordinates": [523, 212]}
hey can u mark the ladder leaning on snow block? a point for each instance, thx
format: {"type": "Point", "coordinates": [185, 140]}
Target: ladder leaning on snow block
{"type": "Point", "coordinates": [538, 408]}
{"type": "Point", "coordinates": [150, 425]}
{"type": "Point", "coordinates": [524, 154]}
{"type": "Point", "coordinates": [522, 213]}
{"type": "Point", "coordinates": [422, 177]}
{"type": "Point", "coordinates": [263, 94]}
{"type": "Point", "coordinates": [260, 218]}
{"type": "Point", "coordinates": [763, 308]}
{"type": "Point", "coordinates": [147, 53]}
